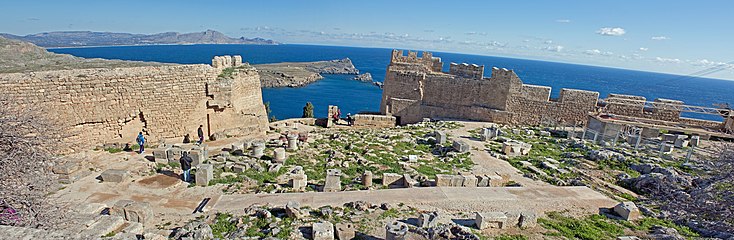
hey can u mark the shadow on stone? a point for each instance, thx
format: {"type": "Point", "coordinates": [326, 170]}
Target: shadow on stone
{"type": "Point", "coordinates": [465, 222]}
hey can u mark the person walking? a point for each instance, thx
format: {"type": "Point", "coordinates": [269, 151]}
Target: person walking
{"type": "Point", "coordinates": [141, 142]}
{"type": "Point", "coordinates": [349, 119]}
{"type": "Point", "coordinates": [186, 166]}
{"type": "Point", "coordinates": [200, 132]}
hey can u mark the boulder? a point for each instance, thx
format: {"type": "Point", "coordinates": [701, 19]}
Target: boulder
{"type": "Point", "coordinates": [490, 220]}
{"type": "Point", "coordinates": [345, 231]}
{"type": "Point", "coordinates": [114, 175]}
{"type": "Point", "coordinates": [627, 210]}
{"type": "Point", "coordinates": [322, 231]}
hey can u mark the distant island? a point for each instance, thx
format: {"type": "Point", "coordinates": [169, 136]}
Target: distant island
{"type": "Point", "coordinates": [297, 74]}
{"type": "Point", "coordinates": [88, 38]}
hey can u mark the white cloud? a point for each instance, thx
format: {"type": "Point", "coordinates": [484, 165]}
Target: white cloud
{"type": "Point", "coordinates": [558, 48]}
{"type": "Point", "coordinates": [611, 31]}
{"type": "Point", "coordinates": [563, 21]}
{"type": "Point", "coordinates": [595, 52]}
{"type": "Point", "coordinates": [644, 49]}
{"type": "Point", "coordinates": [660, 38]}
{"type": "Point", "coordinates": [709, 63]}
{"type": "Point", "coordinates": [548, 42]}
{"type": "Point", "coordinates": [667, 60]}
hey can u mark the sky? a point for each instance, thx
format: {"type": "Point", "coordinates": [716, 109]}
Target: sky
{"type": "Point", "coordinates": [672, 36]}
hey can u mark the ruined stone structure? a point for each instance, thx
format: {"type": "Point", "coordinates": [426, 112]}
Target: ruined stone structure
{"type": "Point", "coordinates": [96, 106]}
{"type": "Point", "coordinates": [373, 121]}
{"type": "Point", "coordinates": [416, 88]}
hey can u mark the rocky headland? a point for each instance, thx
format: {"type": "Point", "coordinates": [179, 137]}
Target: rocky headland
{"type": "Point", "coordinates": [297, 74]}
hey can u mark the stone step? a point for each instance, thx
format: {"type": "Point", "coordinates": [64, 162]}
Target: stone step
{"type": "Point", "coordinates": [105, 224]}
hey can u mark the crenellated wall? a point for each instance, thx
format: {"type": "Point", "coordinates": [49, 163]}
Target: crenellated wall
{"type": "Point", "coordinates": [95, 106]}
{"type": "Point", "coordinates": [416, 88]}
{"type": "Point", "coordinates": [412, 92]}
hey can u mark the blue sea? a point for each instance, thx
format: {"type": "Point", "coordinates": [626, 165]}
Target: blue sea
{"type": "Point", "coordinates": [353, 96]}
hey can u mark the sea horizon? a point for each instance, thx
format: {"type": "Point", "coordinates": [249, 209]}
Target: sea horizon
{"type": "Point", "coordinates": [405, 49]}
{"type": "Point", "coordinates": [365, 97]}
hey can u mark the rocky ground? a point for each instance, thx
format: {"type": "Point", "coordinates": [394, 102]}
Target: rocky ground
{"type": "Point", "coordinates": [256, 201]}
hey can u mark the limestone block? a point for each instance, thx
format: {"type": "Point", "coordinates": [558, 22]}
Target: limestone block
{"type": "Point", "coordinates": [469, 181]}
{"type": "Point", "coordinates": [280, 155]}
{"type": "Point", "coordinates": [333, 181]}
{"type": "Point", "coordinates": [482, 181]}
{"type": "Point", "coordinates": [490, 220]}
{"type": "Point", "coordinates": [114, 175]}
{"type": "Point", "coordinates": [322, 231]}
{"type": "Point", "coordinates": [396, 230]}
{"type": "Point", "coordinates": [428, 220]}
{"type": "Point", "coordinates": [345, 231]}
{"type": "Point", "coordinates": [681, 143]}
{"type": "Point", "coordinates": [440, 137]}
{"type": "Point", "coordinates": [174, 154]}
{"type": "Point", "coordinates": [198, 156]}
{"type": "Point", "coordinates": [292, 141]}
{"type": "Point", "coordinates": [461, 146]}
{"type": "Point", "coordinates": [239, 167]}
{"type": "Point", "coordinates": [298, 181]}
{"type": "Point", "coordinates": [204, 174]}
{"type": "Point", "coordinates": [367, 179]}
{"type": "Point", "coordinates": [528, 220]}
{"type": "Point", "coordinates": [487, 134]}
{"type": "Point", "coordinates": [104, 225]}
{"type": "Point", "coordinates": [161, 155]}
{"type": "Point", "coordinates": [293, 210]}
{"type": "Point", "coordinates": [118, 209]}
{"type": "Point", "coordinates": [391, 179]}
{"type": "Point", "coordinates": [408, 181]}
{"type": "Point", "coordinates": [496, 181]}
{"type": "Point", "coordinates": [669, 137]}
{"type": "Point", "coordinates": [694, 141]}
{"type": "Point", "coordinates": [457, 181]}
{"type": "Point", "coordinates": [627, 210]}
{"type": "Point", "coordinates": [443, 180]}
{"type": "Point", "coordinates": [412, 158]}
{"type": "Point", "coordinates": [139, 212]}
{"type": "Point", "coordinates": [258, 149]}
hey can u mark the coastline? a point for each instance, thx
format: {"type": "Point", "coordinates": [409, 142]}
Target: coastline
{"type": "Point", "coordinates": [162, 44]}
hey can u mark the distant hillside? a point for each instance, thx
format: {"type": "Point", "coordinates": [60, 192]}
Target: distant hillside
{"type": "Point", "coordinates": [18, 56]}
{"type": "Point", "coordinates": [86, 38]}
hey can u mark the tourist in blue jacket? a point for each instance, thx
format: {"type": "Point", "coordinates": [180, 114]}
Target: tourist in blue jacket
{"type": "Point", "coordinates": [141, 142]}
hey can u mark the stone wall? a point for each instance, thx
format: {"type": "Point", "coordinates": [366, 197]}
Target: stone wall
{"type": "Point", "coordinates": [97, 106]}
{"type": "Point", "coordinates": [412, 91]}
{"type": "Point", "coordinates": [373, 121]}
{"type": "Point", "coordinates": [415, 88]}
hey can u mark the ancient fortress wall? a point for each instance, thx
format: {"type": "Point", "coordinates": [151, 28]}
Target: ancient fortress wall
{"type": "Point", "coordinates": [96, 106]}
{"type": "Point", "coordinates": [415, 88]}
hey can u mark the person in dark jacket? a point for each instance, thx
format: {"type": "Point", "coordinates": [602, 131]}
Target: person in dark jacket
{"type": "Point", "coordinates": [186, 166]}
{"type": "Point", "coordinates": [200, 132]}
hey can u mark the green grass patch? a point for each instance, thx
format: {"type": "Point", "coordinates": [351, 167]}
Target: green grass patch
{"type": "Point", "coordinates": [222, 226]}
